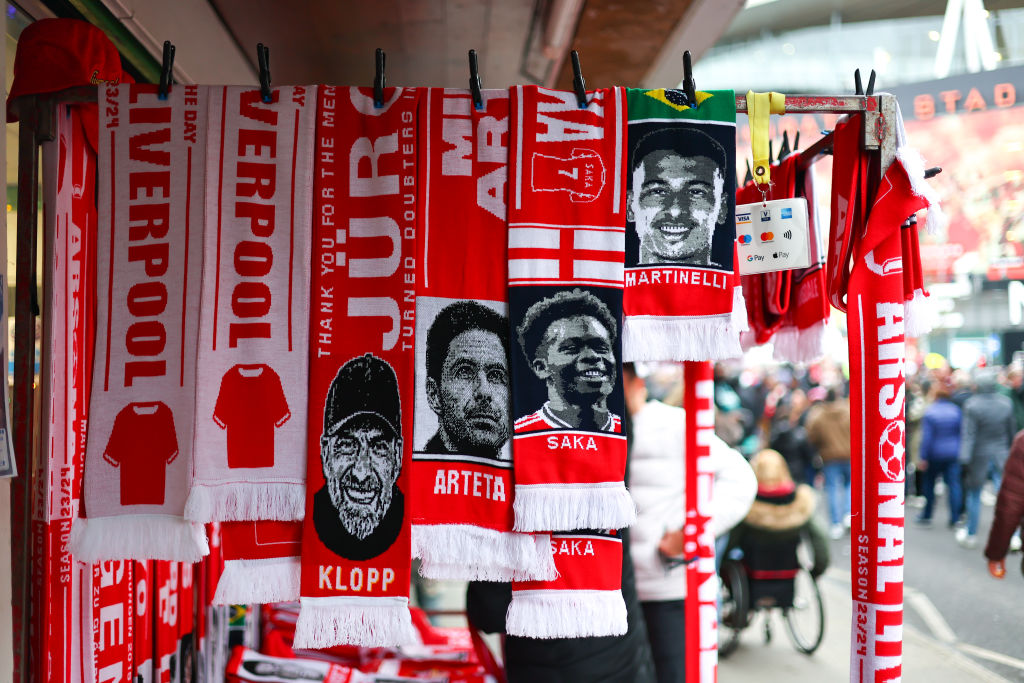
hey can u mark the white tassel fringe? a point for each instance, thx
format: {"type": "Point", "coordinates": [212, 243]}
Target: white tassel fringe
{"type": "Point", "coordinates": [566, 507]}
{"type": "Point", "coordinates": [461, 552]}
{"type": "Point", "coordinates": [913, 164]}
{"type": "Point", "coordinates": [366, 622]}
{"type": "Point", "coordinates": [739, 310]}
{"type": "Point", "coordinates": [653, 338]}
{"type": "Point", "coordinates": [566, 614]}
{"type": "Point", "coordinates": [249, 582]}
{"type": "Point", "coordinates": [918, 315]}
{"type": "Point", "coordinates": [794, 345]}
{"type": "Point", "coordinates": [244, 501]}
{"type": "Point", "coordinates": [138, 537]}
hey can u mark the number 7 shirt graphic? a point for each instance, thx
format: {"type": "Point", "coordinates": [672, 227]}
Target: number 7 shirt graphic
{"type": "Point", "coordinates": [142, 443]}
{"type": "Point", "coordinates": [250, 405]}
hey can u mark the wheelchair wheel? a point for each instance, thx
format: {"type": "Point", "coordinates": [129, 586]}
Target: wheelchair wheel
{"type": "Point", "coordinates": [733, 610]}
{"type": "Point", "coordinates": [805, 620]}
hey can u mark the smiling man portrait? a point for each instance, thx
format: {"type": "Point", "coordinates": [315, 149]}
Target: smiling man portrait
{"type": "Point", "coordinates": [568, 340]}
{"type": "Point", "coordinates": [678, 197]}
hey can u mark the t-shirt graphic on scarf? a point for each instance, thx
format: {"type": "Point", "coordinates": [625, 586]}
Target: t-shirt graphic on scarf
{"type": "Point", "coordinates": [149, 263]}
{"type": "Point", "coordinates": [253, 353]}
{"type": "Point", "coordinates": [355, 564]}
{"type": "Point", "coordinates": [565, 251]}
{"type": "Point", "coordinates": [681, 301]}
{"type": "Point", "coordinates": [462, 460]}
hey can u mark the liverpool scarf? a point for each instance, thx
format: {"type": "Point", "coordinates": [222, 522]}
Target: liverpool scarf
{"type": "Point", "coordinates": [261, 562]}
{"type": "Point", "coordinates": [681, 302]}
{"type": "Point", "coordinates": [355, 539]}
{"type": "Point", "coordinates": [586, 598]}
{"type": "Point", "coordinates": [139, 450]}
{"type": "Point", "coordinates": [462, 459]}
{"type": "Point", "coordinates": [565, 258]}
{"type": "Point", "coordinates": [253, 353]}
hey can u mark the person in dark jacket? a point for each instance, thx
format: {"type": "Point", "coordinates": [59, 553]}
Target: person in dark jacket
{"type": "Point", "coordinates": [986, 434]}
{"type": "Point", "coordinates": [1009, 512]}
{"type": "Point", "coordinates": [940, 452]}
{"type": "Point", "coordinates": [789, 437]}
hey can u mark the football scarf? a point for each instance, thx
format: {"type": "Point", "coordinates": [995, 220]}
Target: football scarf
{"type": "Point", "coordinates": [261, 562]}
{"type": "Point", "coordinates": [250, 444]}
{"type": "Point", "coordinates": [850, 174]}
{"type": "Point", "coordinates": [565, 274]}
{"type": "Point", "coordinates": [681, 302]}
{"type": "Point", "coordinates": [462, 462]}
{"type": "Point", "coordinates": [355, 538]}
{"type": "Point", "coordinates": [138, 461]}
{"type": "Point", "coordinates": [586, 598]}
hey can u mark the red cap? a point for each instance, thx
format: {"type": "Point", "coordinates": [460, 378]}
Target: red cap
{"type": "Point", "coordinates": [55, 54]}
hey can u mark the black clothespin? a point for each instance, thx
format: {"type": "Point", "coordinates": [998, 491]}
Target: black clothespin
{"type": "Point", "coordinates": [263, 58]}
{"type": "Point", "coordinates": [871, 84]}
{"type": "Point", "coordinates": [578, 84]}
{"type": "Point", "coordinates": [796, 141]}
{"type": "Point", "coordinates": [932, 172]}
{"type": "Point", "coordinates": [474, 81]}
{"type": "Point", "coordinates": [689, 85]}
{"type": "Point", "coordinates": [749, 177]}
{"type": "Point", "coordinates": [379, 80]}
{"type": "Point", "coordinates": [858, 86]}
{"type": "Point", "coordinates": [784, 147]}
{"type": "Point", "coordinates": [166, 69]}
{"type": "Point", "coordinates": [770, 152]}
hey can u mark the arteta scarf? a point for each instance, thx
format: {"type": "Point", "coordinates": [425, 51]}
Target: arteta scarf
{"type": "Point", "coordinates": [565, 256]}
{"type": "Point", "coordinates": [261, 562]}
{"type": "Point", "coordinates": [355, 540]}
{"type": "Point", "coordinates": [462, 456]}
{"type": "Point", "coordinates": [250, 453]}
{"type": "Point", "coordinates": [681, 302]}
{"type": "Point", "coordinates": [138, 461]}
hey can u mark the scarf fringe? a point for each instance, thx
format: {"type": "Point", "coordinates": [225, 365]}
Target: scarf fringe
{"type": "Point", "coordinates": [248, 582]}
{"type": "Point", "coordinates": [365, 622]}
{"type": "Point", "coordinates": [793, 345]}
{"type": "Point", "coordinates": [138, 537]}
{"type": "Point", "coordinates": [246, 501]}
{"type": "Point", "coordinates": [462, 552]}
{"type": "Point", "coordinates": [739, 310]}
{"type": "Point", "coordinates": [566, 614]}
{"type": "Point", "coordinates": [566, 507]}
{"type": "Point", "coordinates": [654, 339]}
{"type": "Point", "coordinates": [918, 315]}
{"type": "Point", "coordinates": [913, 164]}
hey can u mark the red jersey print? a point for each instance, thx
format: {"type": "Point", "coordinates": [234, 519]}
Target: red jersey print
{"type": "Point", "coordinates": [250, 405]}
{"type": "Point", "coordinates": [544, 419]}
{"type": "Point", "coordinates": [142, 443]}
{"type": "Point", "coordinates": [581, 175]}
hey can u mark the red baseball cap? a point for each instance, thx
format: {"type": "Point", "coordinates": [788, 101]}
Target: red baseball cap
{"type": "Point", "coordinates": [55, 54]}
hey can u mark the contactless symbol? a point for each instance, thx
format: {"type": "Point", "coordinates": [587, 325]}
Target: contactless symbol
{"type": "Point", "coordinates": [788, 234]}
{"type": "Point", "coordinates": [745, 239]}
{"type": "Point", "coordinates": [767, 236]}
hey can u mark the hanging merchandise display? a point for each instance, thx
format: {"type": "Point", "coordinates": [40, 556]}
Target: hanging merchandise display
{"type": "Point", "coordinates": [566, 240]}
{"type": "Point", "coordinates": [138, 462]}
{"type": "Point", "coordinates": [355, 540]}
{"type": "Point", "coordinates": [250, 433]}
{"type": "Point", "coordinates": [261, 562]}
{"type": "Point", "coordinates": [462, 457]}
{"type": "Point", "coordinates": [682, 300]}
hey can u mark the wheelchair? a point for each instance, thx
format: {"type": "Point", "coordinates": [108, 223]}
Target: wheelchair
{"type": "Point", "coordinates": [746, 588]}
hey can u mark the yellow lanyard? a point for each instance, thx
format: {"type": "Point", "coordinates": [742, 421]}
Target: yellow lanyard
{"type": "Point", "coordinates": [760, 105]}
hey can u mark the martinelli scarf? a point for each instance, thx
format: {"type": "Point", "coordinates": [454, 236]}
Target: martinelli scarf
{"type": "Point", "coordinates": [355, 540]}
{"type": "Point", "coordinates": [565, 256]}
{"type": "Point", "coordinates": [261, 562]}
{"type": "Point", "coordinates": [139, 451]}
{"type": "Point", "coordinates": [462, 459]}
{"type": "Point", "coordinates": [250, 455]}
{"type": "Point", "coordinates": [681, 301]}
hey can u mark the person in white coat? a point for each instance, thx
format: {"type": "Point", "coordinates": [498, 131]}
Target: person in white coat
{"type": "Point", "coordinates": [656, 484]}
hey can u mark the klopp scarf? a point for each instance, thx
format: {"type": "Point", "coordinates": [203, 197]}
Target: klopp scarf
{"type": "Point", "coordinates": [355, 538]}
{"type": "Point", "coordinates": [565, 257]}
{"type": "Point", "coordinates": [462, 460]}
{"type": "Point", "coordinates": [253, 353]}
{"type": "Point", "coordinates": [681, 302]}
{"type": "Point", "coordinates": [138, 461]}
{"type": "Point", "coordinates": [261, 562]}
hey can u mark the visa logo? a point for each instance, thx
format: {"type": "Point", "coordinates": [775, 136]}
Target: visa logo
{"type": "Point", "coordinates": [787, 213]}
{"type": "Point", "coordinates": [743, 218]}
{"type": "Point", "coordinates": [766, 215]}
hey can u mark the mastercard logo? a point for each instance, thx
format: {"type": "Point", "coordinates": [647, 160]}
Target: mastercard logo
{"type": "Point", "coordinates": [767, 236]}
{"type": "Point", "coordinates": [745, 239]}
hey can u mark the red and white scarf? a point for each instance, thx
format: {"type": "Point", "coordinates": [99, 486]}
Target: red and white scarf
{"type": "Point", "coordinates": [261, 562]}
{"type": "Point", "coordinates": [462, 456]}
{"type": "Point", "coordinates": [586, 598]}
{"type": "Point", "coordinates": [138, 462]}
{"type": "Point", "coordinates": [250, 435]}
{"type": "Point", "coordinates": [355, 541]}
{"type": "Point", "coordinates": [565, 253]}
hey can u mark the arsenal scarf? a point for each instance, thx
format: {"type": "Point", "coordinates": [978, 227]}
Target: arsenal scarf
{"type": "Point", "coordinates": [355, 538]}
{"type": "Point", "coordinates": [462, 459]}
{"type": "Point", "coordinates": [586, 598]}
{"type": "Point", "coordinates": [250, 457]}
{"type": "Point", "coordinates": [681, 302]}
{"type": "Point", "coordinates": [261, 562]}
{"type": "Point", "coordinates": [565, 275]}
{"type": "Point", "coordinates": [138, 461]}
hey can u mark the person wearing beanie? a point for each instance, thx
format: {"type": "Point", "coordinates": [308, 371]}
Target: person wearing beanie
{"type": "Point", "coordinates": [781, 515]}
